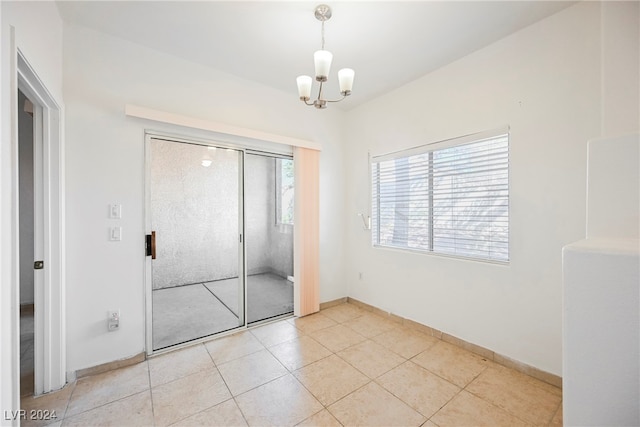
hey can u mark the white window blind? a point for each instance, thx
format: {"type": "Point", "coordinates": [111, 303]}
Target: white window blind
{"type": "Point", "coordinates": [450, 200]}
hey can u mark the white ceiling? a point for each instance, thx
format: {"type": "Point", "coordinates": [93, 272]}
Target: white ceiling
{"type": "Point", "coordinates": [388, 44]}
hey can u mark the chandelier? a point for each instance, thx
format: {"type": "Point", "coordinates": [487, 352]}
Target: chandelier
{"type": "Point", "coordinates": [322, 59]}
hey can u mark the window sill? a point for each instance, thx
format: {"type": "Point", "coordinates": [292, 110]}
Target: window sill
{"type": "Point", "coordinates": [442, 255]}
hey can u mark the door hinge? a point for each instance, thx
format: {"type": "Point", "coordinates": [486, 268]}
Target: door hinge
{"type": "Point", "coordinates": [38, 265]}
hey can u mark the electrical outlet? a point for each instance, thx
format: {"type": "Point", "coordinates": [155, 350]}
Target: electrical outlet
{"type": "Point", "coordinates": [113, 320]}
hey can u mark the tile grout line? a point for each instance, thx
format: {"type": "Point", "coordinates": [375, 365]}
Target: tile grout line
{"type": "Point", "coordinates": [504, 409]}
{"type": "Point", "coordinates": [315, 413]}
{"type": "Point", "coordinates": [200, 371]}
{"type": "Point", "coordinates": [239, 357]}
{"type": "Point", "coordinates": [407, 403]}
{"type": "Point", "coordinates": [253, 388]}
{"type": "Point", "coordinates": [235, 402]}
{"type": "Point", "coordinates": [226, 385]}
{"type": "Point", "coordinates": [432, 373]}
{"type": "Point", "coordinates": [183, 376]}
{"type": "Point", "coordinates": [66, 407]}
{"type": "Point", "coordinates": [486, 401]}
{"type": "Point", "coordinates": [153, 410]}
{"type": "Point", "coordinates": [232, 397]}
{"type": "Point", "coordinates": [107, 403]}
{"type": "Point", "coordinates": [458, 393]}
{"type": "Point", "coordinates": [256, 387]}
{"type": "Point", "coordinates": [349, 394]}
{"type": "Point", "coordinates": [286, 341]}
{"type": "Point", "coordinates": [325, 407]}
{"type": "Point", "coordinates": [207, 408]}
{"type": "Point", "coordinates": [460, 389]}
{"type": "Point", "coordinates": [333, 353]}
{"type": "Point", "coordinates": [356, 368]}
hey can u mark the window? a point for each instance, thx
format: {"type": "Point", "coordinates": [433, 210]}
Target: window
{"type": "Point", "coordinates": [284, 191]}
{"type": "Point", "coordinates": [449, 198]}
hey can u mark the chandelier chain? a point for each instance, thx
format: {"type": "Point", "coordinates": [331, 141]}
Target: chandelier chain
{"type": "Point", "coordinates": [322, 35]}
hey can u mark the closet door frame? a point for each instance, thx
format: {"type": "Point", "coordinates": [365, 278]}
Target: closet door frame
{"type": "Point", "coordinates": [286, 152]}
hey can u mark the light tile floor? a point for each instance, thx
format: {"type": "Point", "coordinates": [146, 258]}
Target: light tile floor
{"type": "Point", "coordinates": [26, 350]}
{"type": "Point", "coordinates": [343, 366]}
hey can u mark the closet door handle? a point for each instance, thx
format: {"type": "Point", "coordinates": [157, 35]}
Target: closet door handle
{"type": "Point", "coordinates": [153, 245]}
{"type": "Point", "coordinates": [150, 244]}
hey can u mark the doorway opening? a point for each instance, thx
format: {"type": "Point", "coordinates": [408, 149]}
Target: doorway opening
{"type": "Point", "coordinates": [38, 244]}
{"type": "Point", "coordinates": [26, 196]}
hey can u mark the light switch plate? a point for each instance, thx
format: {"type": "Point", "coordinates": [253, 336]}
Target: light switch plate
{"type": "Point", "coordinates": [113, 320]}
{"type": "Point", "coordinates": [115, 234]}
{"type": "Point", "coordinates": [115, 211]}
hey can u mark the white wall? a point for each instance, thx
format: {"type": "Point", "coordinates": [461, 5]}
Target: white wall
{"type": "Point", "coordinates": [620, 67]}
{"type": "Point", "coordinates": [105, 164]}
{"type": "Point", "coordinates": [613, 188]}
{"type": "Point", "coordinates": [544, 82]}
{"type": "Point", "coordinates": [30, 21]}
{"type": "Point", "coordinates": [614, 160]}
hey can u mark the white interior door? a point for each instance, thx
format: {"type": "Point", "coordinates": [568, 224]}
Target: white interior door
{"type": "Point", "coordinates": [38, 251]}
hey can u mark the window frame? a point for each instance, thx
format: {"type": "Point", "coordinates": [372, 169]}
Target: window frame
{"type": "Point", "coordinates": [430, 149]}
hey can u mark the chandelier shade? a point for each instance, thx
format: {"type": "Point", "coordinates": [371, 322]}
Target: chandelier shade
{"type": "Point", "coordinates": [304, 87]}
{"type": "Point", "coordinates": [322, 61]}
{"type": "Point", "coordinates": [345, 78]}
